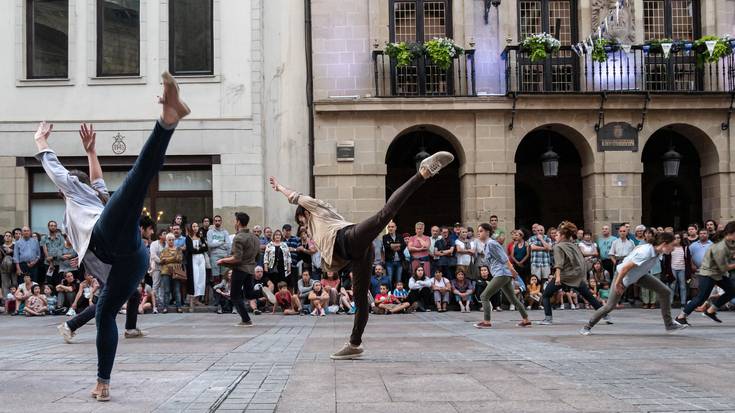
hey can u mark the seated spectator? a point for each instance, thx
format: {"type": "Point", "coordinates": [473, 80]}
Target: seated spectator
{"type": "Point", "coordinates": [419, 291]}
{"type": "Point", "coordinates": [386, 303]}
{"type": "Point", "coordinates": [36, 304]}
{"type": "Point", "coordinates": [441, 288]}
{"type": "Point", "coordinates": [86, 292]}
{"type": "Point", "coordinates": [604, 292]}
{"type": "Point", "coordinates": [305, 285]}
{"type": "Point", "coordinates": [147, 299]}
{"type": "Point", "coordinates": [346, 301]}
{"type": "Point", "coordinates": [289, 303]}
{"type": "Point", "coordinates": [51, 301]}
{"type": "Point", "coordinates": [380, 277]}
{"type": "Point", "coordinates": [463, 289]}
{"type": "Point", "coordinates": [263, 290]}
{"type": "Point", "coordinates": [10, 301]}
{"type": "Point", "coordinates": [318, 298]}
{"type": "Point", "coordinates": [24, 291]}
{"type": "Point", "coordinates": [594, 291]}
{"type": "Point", "coordinates": [480, 286]}
{"type": "Point", "coordinates": [69, 261]}
{"type": "Point", "coordinates": [222, 294]}
{"type": "Point", "coordinates": [400, 292]}
{"type": "Point", "coordinates": [331, 285]}
{"type": "Point", "coordinates": [598, 273]}
{"type": "Point", "coordinates": [66, 292]}
{"type": "Point", "coordinates": [533, 295]}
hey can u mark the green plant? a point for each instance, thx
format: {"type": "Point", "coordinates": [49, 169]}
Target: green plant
{"type": "Point", "coordinates": [442, 51]}
{"type": "Point", "coordinates": [404, 53]}
{"type": "Point", "coordinates": [598, 51]}
{"type": "Point", "coordinates": [539, 46]}
{"type": "Point", "coordinates": [722, 49]}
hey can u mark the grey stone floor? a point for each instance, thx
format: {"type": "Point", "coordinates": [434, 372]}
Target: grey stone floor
{"type": "Point", "coordinates": [426, 362]}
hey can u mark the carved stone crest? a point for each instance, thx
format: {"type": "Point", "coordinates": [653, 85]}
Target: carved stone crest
{"type": "Point", "coordinates": [118, 146]}
{"type": "Point", "coordinates": [624, 29]}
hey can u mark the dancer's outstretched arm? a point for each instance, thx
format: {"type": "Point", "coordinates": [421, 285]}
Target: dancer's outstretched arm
{"type": "Point", "coordinates": [288, 193]}
{"type": "Point", "coordinates": [42, 135]}
{"type": "Point", "coordinates": [89, 138]}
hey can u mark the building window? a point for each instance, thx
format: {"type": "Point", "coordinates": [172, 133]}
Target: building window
{"type": "Point", "coordinates": [671, 19]}
{"type": "Point", "coordinates": [176, 190]}
{"type": "Point", "coordinates": [559, 18]}
{"type": "Point", "coordinates": [47, 39]}
{"type": "Point", "coordinates": [191, 37]}
{"type": "Point", "coordinates": [118, 38]}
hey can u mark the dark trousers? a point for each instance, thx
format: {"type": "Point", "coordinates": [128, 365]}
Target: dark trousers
{"type": "Point", "coordinates": [583, 290]}
{"type": "Point", "coordinates": [706, 284]}
{"type": "Point", "coordinates": [357, 245]}
{"type": "Point", "coordinates": [241, 284]}
{"type": "Point", "coordinates": [116, 241]}
{"type": "Point", "coordinates": [131, 316]}
{"type": "Point", "coordinates": [33, 271]}
{"type": "Point", "coordinates": [423, 295]}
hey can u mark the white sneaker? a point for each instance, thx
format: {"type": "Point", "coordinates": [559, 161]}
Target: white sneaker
{"type": "Point", "coordinates": [585, 331]}
{"type": "Point", "coordinates": [135, 333]}
{"type": "Point", "coordinates": [65, 332]}
{"type": "Point", "coordinates": [512, 307]}
{"type": "Point", "coordinates": [561, 307]}
{"type": "Point", "coordinates": [322, 313]}
{"type": "Point", "coordinates": [574, 307]}
{"type": "Point", "coordinates": [436, 162]}
{"type": "Point", "coordinates": [314, 313]}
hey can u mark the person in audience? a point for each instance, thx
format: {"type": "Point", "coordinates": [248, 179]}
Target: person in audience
{"type": "Point", "coordinates": [36, 304]}
{"type": "Point", "coordinates": [289, 303]}
{"type": "Point", "coordinates": [222, 296]}
{"type": "Point", "coordinates": [11, 306]}
{"type": "Point", "coordinates": [599, 273]}
{"type": "Point", "coordinates": [171, 259]}
{"type": "Point", "coordinates": [263, 292]}
{"type": "Point", "coordinates": [594, 290]}
{"type": "Point", "coordinates": [533, 294]}
{"type": "Point", "coordinates": [378, 278]}
{"type": "Point", "coordinates": [277, 259]}
{"type": "Point", "coordinates": [25, 290]}
{"type": "Point", "coordinates": [464, 249]}
{"type": "Point", "coordinates": [588, 247]}
{"type": "Point", "coordinates": [154, 268]}
{"type": "Point", "coordinates": [520, 254]}
{"type": "Point", "coordinates": [393, 246]}
{"type": "Point", "coordinates": [386, 303]}
{"type": "Point", "coordinates": [481, 284]}
{"type": "Point", "coordinates": [51, 301]}
{"type": "Point", "coordinates": [66, 292]}
{"type": "Point", "coordinates": [69, 260]}
{"type": "Point", "coordinates": [418, 246]}
{"type": "Point", "coordinates": [196, 247]}
{"type": "Point", "coordinates": [400, 293]}
{"type": "Point", "coordinates": [444, 250]}
{"type": "Point", "coordinates": [463, 289]}
{"type": "Point", "coordinates": [88, 289]}
{"type": "Point", "coordinates": [305, 285]}
{"type": "Point", "coordinates": [441, 288]}
{"type": "Point", "coordinates": [420, 294]}
{"type": "Point", "coordinates": [318, 298]}
{"type": "Point", "coordinates": [679, 262]}
{"type": "Point", "coordinates": [346, 301]}
{"type": "Point", "coordinates": [331, 285]}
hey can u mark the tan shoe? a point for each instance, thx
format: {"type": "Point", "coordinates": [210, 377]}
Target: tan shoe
{"type": "Point", "coordinates": [104, 394]}
{"type": "Point", "coordinates": [348, 352]}
{"type": "Point", "coordinates": [171, 97]}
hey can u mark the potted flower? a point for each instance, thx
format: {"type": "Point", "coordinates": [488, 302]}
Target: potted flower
{"type": "Point", "coordinates": [442, 51]}
{"type": "Point", "coordinates": [404, 53]}
{"type": "Point", "coordinates": [539, 46]}
{"type": "Point", "coordinates": [722, 48]}
{"type": "Point", "coordinates": [602, 47]}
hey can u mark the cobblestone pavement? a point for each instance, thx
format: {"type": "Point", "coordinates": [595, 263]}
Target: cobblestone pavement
{"type": "Point", "coordinates": [413, 363]}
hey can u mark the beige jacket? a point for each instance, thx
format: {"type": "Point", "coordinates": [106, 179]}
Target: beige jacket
{"type": "Point", "coordinates": [323, 224]}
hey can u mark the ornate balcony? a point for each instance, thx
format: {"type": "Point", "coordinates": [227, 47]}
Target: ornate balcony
{"type": "Point", "coordinates": [642, 70]}
{"type": "Point", "coordinates": [424, 79]}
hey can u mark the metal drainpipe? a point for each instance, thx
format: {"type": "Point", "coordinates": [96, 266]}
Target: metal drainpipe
{"type": "Point", "coordinates": [309, 91]}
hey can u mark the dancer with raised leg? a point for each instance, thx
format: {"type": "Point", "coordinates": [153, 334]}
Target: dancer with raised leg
{"type": "Point", "coordinates": [103, 229]}
{"type": "Point", "coordinates": [716, 266]}
{"type": "Point", "coordinates": [341, 242]}
{"type": "Point", "coordinates": [635, 269]}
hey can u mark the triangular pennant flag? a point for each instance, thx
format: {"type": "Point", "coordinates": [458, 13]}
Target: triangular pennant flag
{"type": "Point", "coordinates": [626, 48]}
{"type": "Point", "coordinates": [583, 47]}
{"type": "Point", "coordinates": [599, 32]}
{"type": "Point", "coordinates": [710, 46]}
{"type": "Point", "coordinates": [667, 48]}
{"type": "Point", "coordinates": [606, 27]}
{"type": "Point", "coordinates": [617, 12]}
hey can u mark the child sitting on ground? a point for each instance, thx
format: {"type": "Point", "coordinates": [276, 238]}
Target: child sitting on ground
{"type": "Point", "coordinates": [533, 297]}
{"type": "Point", "coordinates": [386, 303]}
{"type": "Point", "coordinates": [400, 293]}
{"type": "Point", "coordinates": [604, 292]}
{"type": "Point", "coordinates": [290, 303]}
{"type": "Point", "coordinates": [10, 302]}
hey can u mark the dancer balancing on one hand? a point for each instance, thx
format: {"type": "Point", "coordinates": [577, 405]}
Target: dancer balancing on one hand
{"type": "Point", "coordinates": [103, 229]}
{"type": "Point", "coordinates": [718, 261]}
{"type": "Point", "coordinates": [569, 271]}
{"type": "Point", "coordinates": [503, 275]}
{"type": "Point", "coordinates": [635, 269]}
{"type": "Point", "coordinates": [341, 243]}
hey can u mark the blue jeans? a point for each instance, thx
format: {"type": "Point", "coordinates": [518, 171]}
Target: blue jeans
{"type": "Point", "coordinates": [706, 284]}
{"type": "Point", "coordinates": [116, 241]}
{"type": "Point", "coordinates": [394, 269]}
{"type": "Point", "coordinates": [680, 279]}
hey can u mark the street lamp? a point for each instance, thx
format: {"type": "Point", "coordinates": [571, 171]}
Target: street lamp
{"type": "Point", "coordinates": [672, 160]}
{"type": "Point", "coordinates": [550, 163]}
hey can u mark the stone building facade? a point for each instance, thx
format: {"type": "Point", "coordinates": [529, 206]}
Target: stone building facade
{"type": "Point", "coordinates": [501, 114]}
{"type": "Point", "coordinates": [72, 61]}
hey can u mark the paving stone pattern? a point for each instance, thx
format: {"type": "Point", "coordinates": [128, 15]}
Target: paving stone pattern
{"type": "Point", "coordinates": [413, 363]}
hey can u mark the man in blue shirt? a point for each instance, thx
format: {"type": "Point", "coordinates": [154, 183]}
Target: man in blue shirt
{"type": "Point", "coordinates": [293, 243]}
{"type": "Point", "coordinates": [26, 255]}
{"type": "Point", "coordinates": [179, 240]}
{"type": "Point", "coordinates": [698, 248]}
{"type": "Point", "coordinates": [379, 278]}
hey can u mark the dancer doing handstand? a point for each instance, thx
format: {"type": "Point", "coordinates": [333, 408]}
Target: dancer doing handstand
{"type": "Point", "coordinates": [341, 243]}
{"type": "Point", "coordinates": [103, 229]}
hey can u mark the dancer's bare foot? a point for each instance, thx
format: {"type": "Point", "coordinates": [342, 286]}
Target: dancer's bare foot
{"type": "Point", "coordinates": [434, 163]}
{"type": "Point", "coordinates": [174, 109]}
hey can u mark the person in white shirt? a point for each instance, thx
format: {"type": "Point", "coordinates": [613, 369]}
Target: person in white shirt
{"type": "Point", "coordinates": [465, 251]}
{"type": "Point", "coordinates": [635, 269]}
{"type": "Point", "coordinates": [155, 268]}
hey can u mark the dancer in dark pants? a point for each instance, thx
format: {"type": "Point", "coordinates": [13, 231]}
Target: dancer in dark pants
{"type": "Point", "coordinates": [569, 271]}
{"type": "Point", "coordinates": [341, 242]}
{"type": "Point", "coordinates": [715, 270]}
{"type": "Point", "coordinates": [69, 328]}
{"type": "Point", "coordinates": [103, 229]}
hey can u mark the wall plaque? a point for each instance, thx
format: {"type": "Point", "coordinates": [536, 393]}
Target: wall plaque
{"type": "Point", "coordinates": [345, 151]}
{"type": "Point", "coordinates": [617, 136]}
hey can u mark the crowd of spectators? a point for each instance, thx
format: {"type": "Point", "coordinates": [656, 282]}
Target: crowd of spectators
{"type": "Point", "coordinates": [440, 271]}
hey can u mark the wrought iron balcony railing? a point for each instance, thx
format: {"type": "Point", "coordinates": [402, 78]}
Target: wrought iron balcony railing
{"type": "Point", "coordinates": [643, 69]}
{"type": "Point", "coordinates": [423, 78]}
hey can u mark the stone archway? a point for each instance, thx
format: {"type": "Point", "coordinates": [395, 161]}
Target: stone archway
{"type": "Point", "coordinates": [690, 197]}
{"type": "Point", "coordinates": [439, 201]}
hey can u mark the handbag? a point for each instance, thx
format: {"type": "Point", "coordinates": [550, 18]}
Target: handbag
{"type": "Point", "coordinates": [177, 272]}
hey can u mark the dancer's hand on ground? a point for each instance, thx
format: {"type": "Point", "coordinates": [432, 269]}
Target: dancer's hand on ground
{"type": "Point", "coordinates": [89, 137]}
